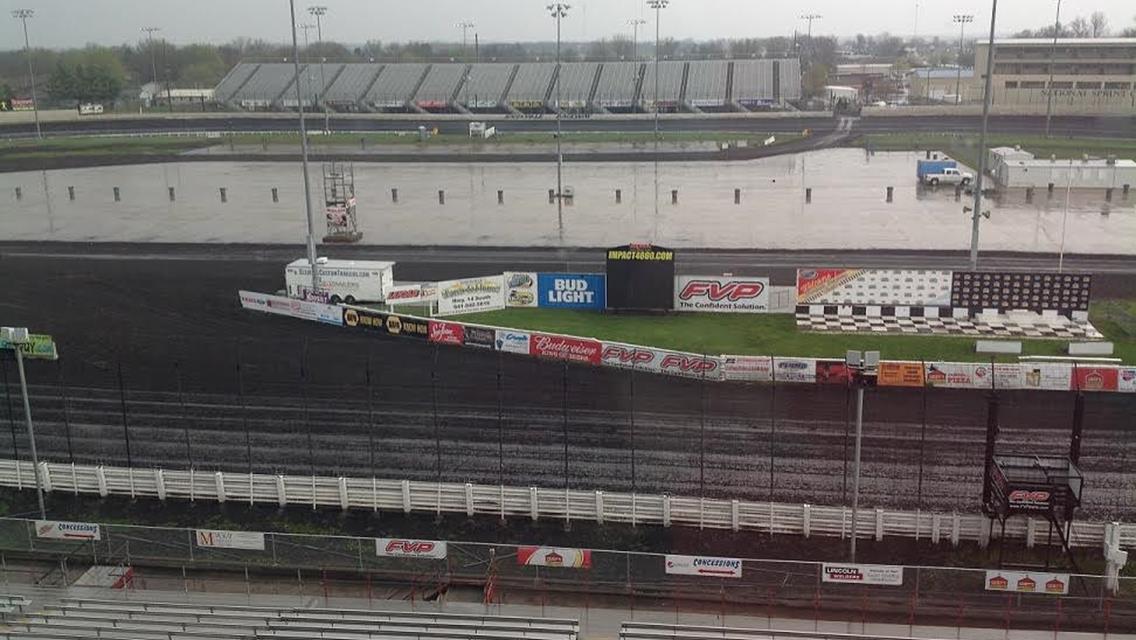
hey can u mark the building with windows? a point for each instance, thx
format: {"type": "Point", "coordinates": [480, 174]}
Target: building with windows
{"type": "Point", "coordinates": [1096, 75]}
{"type": "Point", "coordinates": [943, 84]}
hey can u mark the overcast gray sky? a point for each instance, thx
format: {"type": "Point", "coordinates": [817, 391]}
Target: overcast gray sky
{"type": "Point", "coordinates": [61, 23]}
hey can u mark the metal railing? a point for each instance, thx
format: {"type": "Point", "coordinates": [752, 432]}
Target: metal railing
{"type": "Point", "coordinates": [534, 503]}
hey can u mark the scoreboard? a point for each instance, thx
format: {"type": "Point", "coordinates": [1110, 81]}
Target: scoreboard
{"type": "Point", "coordinates": [640, 277]}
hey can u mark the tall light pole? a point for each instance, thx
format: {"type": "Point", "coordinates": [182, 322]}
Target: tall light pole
{"type": "Point", "coordinates": [987, 98]}
{"type": "Point", "coordinates": [149, 31]}
{"type": "Point", "coordinates": [307, 28]}
{"type": "Point", "coordinates": [809, 17]}
{"type": "Point", "coordinates": [304, 151]}
{"type": "Point", "coordinates": [17, 338]}
{"type": "Point", "coordinates": [465, 26]}
{"type": "Point", "coordinates": [658, 6]}
{"type": "Point", "coordinates": [559, 11]}
{"type": "Point", "coordinates": [961, 19]}
{"type": "Point", "coordinates": [635, 24]}
{"type": "Point", "coordinates": [23, 15]}
{"type": "Point", "coordinates": [1052, 57]}
{"type": "Point", "coordinates": [862, 369]}
{"type": "Point", "coordinates": [319, 12]}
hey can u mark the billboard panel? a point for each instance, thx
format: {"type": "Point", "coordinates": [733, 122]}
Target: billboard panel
{"type": "Point", "coordinates": [572, 291]}
{"type": "Point", "coordinates": [567, 348]}
{"type": "Point", "coordinates": [412, 294]}
{"type": "Point", "coordinates": [721, 294]}
{"type": "Point", "coordinates": [1037, 292]}
{"type": "Point", "coordinates": [875, 574]}
{"type": "Point", "coordinates": [703, 566]}
{"type": "Point", "coordinates": [900, 374]}
{"type": "Point", "coordinates": [1126, 380]}
{"type": "Point", "coordinates": [450, 333]}
{"type": "Point", "coordinates": [795, 370]}
{"type": "Point", "coordinates": [898, 287]}
{"type": "Point", "coordinates": [747, 368]}
{"type": "Point", "coordinates": [280, 305]}
{"type": "Point", "coordinates": [1027, 582]}
{"type": "Point", "coordinates": [511, 341]}
{"type": "Point", "coordinates": [640, 277]}
{"type": "Point", "coordinates": [249, 540]}
{"type": "Point", "coordinates": [673, 363]}
{"type": "Point", "coordinates": [388, 323]}
{"type": "Point", "coordinates": [56, 530]}
{"type": "Point", "coordinates": [471, 295]}
{"type": "Point", "coordinates": [520, 289]}
{"type": "Point", "coordinates": [554, 557]}
{"type": "Point", "coordinates": [959, 375]}
{"type": "Point", "coordinates": [833, 372]}
{"type": "Point", "coordinates": [1096, 378]}
{"type": "Point", "coordinates": [404, 548]}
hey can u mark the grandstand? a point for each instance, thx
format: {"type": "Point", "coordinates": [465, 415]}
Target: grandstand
{"type": "Point", "coordinates": [139, 618]}
{"type": "Point", "coordinates": [709, 85]}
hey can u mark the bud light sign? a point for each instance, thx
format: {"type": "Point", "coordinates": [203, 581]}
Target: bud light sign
{"type": "Point", "coordinates": [572, 291]}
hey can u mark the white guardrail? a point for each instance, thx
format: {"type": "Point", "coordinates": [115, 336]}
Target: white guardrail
{"type": "Point", "coordinates": [535, 503]}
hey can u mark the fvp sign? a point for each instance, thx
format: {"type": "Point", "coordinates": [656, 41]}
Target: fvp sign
{"type": "Point", "coordinates": [572, 291]}
{"type": "Point", "coordinates": [721, 294]}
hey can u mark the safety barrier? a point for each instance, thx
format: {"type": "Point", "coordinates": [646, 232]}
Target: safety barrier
{"type": "Point", "coordinates": [535, 503]}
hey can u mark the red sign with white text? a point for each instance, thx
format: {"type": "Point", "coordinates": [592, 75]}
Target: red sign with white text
{"type": "Point", "coordinates": [543, 345]}
{"type": "Point", "coordinates": [1096, 378]}
{"type": "Point", "coordinates": [447, 333]}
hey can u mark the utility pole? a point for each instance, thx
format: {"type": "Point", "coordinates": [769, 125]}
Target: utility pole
{"type": "Point", "coordinates": [809, 17]}
{"type": "Point", "coordinates": [465, 26]}
{"type": "Point", "coordinates": [635, 24]}
{"type": "Point", "coordinates": [962, 20]}
{"type": "Point", "coordinates": [987, 98]}
{"type": "Point", "coordinates": [319, 12]}
{"type": "Point", "coordinates": [559, 11]}
{"type": "Point", "coordinates": [149, 31]}
{"type": "Point", "coordinates": [658, 6]}
{"type": "Point", "coordinates": [304, 152]}
{"type": "Point", "coordinates": [1052, 57]}
{"type": "Point", "coordinates": [23, 15]}
{"type": "Point", "coordinates": [864, 369]}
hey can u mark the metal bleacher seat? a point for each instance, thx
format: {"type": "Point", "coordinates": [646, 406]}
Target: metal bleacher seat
{"type": "Point", "coordinates": [664, 631]}
{"type": "Point", "coordinates": [150, 620]}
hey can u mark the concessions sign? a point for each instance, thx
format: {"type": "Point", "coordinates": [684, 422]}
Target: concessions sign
{"type": "Point", "coordinates": [747, 368]}
{"type": "Point", "coordinates": [55, 530]}
{"type": "Point", "coordinates": [900, 374]}
{"type": "Point", "coordinates": [249, 540]}
{"type": "Point", "coordinates": [874, 574]}
{"type": "Point", "coordinates": [703, 566]}
{"type": "Point", "coordinates": [554, 557]}
{"type": "Point", "coordinates": [471, 295]}
{"type": "Point", "coordinates": [404, 548]}
{"type": "Point", "coordinates": [1027, 582]}
{"type": "Point", "coordinates": [566, 348]}
{"type": "Point", "coordinates": [673, 363]}
{"type": "Point", "coordinates": [279, 305]}
{"type": "Point", "coordinates": [388, 323]}
{"type": "Point", "coordinates": [720, 294]}
{"type": "Point", "coordinates": [640, 276]}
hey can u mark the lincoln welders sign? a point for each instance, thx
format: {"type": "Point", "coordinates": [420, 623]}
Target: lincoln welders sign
{"type": "Point", "coordinates": [640, 276]}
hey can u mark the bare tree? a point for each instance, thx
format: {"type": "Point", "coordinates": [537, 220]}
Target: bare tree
{"type": "Point", "coordinates": [1080, 28]}
{"type": "Point", "coordinates": [1098, 22]}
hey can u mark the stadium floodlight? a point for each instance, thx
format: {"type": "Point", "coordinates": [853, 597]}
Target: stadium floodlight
{"type": "Point", "coordinates": [465, 26]}
{"type": "Point", "coordinates": [658, 6]}
{"type": "Point", "coordinates": [319, 12]}
{"type": "Point", "coordinates": [17, 337]}
{"type": "Point", "coordinates": [961, 19]}
{"type": "Point", "coordinates": [635, 24]}
{"type": "Point", "coordinates": [23, 15]}
{"type": "Point", "coordinates": [863, 367]}
{"type": "Point", "coordinates": [304, 151]}
{"type": "Point", "coordinates": [559, 11]}
{"type": "Point", "coordinates": [987, 100]}
{"type": "Point", "coordinates": [1052, 56]}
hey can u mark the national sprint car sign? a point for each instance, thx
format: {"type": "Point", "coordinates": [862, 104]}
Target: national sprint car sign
{"type": "Point", "coordinates": [703, 566]}
{"type": "Point", "coordinates": [55, 530]}
{"type": "Point", "coordinates": [675, 363]}
{"type": "Point", "coordinates": [404, 548]}
{"type": "Point", "coordinates": [874, 574]}
{"type": "Point", "coordinates": [721, 294]}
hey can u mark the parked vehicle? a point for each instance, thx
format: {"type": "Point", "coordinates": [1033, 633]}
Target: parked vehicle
{"type": "Point", "coordinates": [936, 172]}
{"type": "Point", "coordinates": [348, 281]}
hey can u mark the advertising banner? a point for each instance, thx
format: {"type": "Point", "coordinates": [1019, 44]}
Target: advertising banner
{"type": "Point", "coordinates": [640, 276]}
{"type": "Point", "coordinates": [554, 557]}
{"type": "Point", "coordinates": [959, 375]}
{"type": "Point", "coordinates": [1044, 376]}
{"type": "Point", "coordinates": [520, 289]}
{"type": "Point", "coordinates": [55, 530]}
{"type": "Point", "coordinates": [747, 368]}
{"type": "Point", "coordinates": [447, 333]}
{"type": "Point", "coordinates": [412, 294]}
{"type": "Point", "coordinates": [510, 341]}
{"type": "Point", "coordinates": [38, 347]}
{"type": "Point", "coordinates": [471, 295]}
{"type": "Point", "coordinates": [388, 323]}
{"type": "Point", "coordinates": [403, 548]}
{"type": "Point", "coordinates": [876, 574]}
{"type": "Point", "coordinates": [673, 363]}
{"type": "Point", "coordinates": [480, 337]}
{"type": "Point", "coordinates": [720, 294]}
{"type": "Point", "coordinates": [1096, 378]}
{"type": "Point", "coordinates": [229, 539]}
{"type": "Point", "coordinates": [900, 374]}
{"type": "Point", "coordinates": [833, 372]}
{"type": "Point", "coordinates": [1126, 380]}
{"type": "Point", "coordinates": [703, 566]}
{"type": "Point", "coordinates": [279, 305]}
{"type": "Point", "coordinates": [795, 370]}
{"type": "Point", "coordinates": [543, 345]}
{"type": "Point", "coordinates": [899, 287]}
{"type": "Point", "coordinates": [1036, 292]}
{"type": "Point", "coordinates": [1027, 582]}
{"type": "Point", "coordinates": [572, 291]}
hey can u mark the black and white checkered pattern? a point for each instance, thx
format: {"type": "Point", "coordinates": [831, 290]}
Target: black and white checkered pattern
{"type": "Point", "coordinates": [985, 327]}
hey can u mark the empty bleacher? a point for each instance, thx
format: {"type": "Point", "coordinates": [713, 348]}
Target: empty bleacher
{"type": "Point", "coordinates": [618, 84]}
{"type": "Point", "coordinates": [312, 79]}
{"type": "Point", "coordinates": [437, 91]}
{"type": "Point", "coordinates": [233, 81]}
{"type": "Point", "coordinates": [670, 84]}
{"type": "Point", "coordinates": [790, 79]}
{"type": "Point", "coordinates": [706, 83]}
{"type": "Point", "coordinates": [532, 85]}
{"type": "Point", "coordinates": [753, 82]}
{"type": "Point", "coordinates": [486, 85]}
{"type": "Point", "coordinates": [148, 620]}
{"type": "Point", "coordinates": [395, 86]}
{"type": "Point", "coordinates": [352, 84]}
{"type": "Point", "coordinates": [577, 80]}
{"type": "Point", "coordinates": [266, 85]}
{"type": "Point", "coordinates": [663, 631]}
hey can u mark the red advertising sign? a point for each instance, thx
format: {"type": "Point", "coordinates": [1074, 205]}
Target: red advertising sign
{"type": "Point", "coordinates": [833, 372]}
{"type": "Point", "coordinates": [1096, 378]}
{"type": "Point", "coordinates": [447, 333]}
{"type": "Point", "coordinates": [554, 557]}
{"type": "Point", "coordinates": [543, 345]}
{"type": "Point", "coordinates": [814, 284]}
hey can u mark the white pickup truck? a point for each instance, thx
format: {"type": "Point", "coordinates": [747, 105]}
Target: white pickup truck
{"type": "Point", "coordinates": [948, 175]}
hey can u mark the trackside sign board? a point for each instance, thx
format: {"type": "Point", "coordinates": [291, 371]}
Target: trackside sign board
{"type": "Point", "coordinates": [721, 294]}
{"type": "Point", "coordinates": [55, 530]}
{"type": "Point", "coordinates": [704, 566]}
{"type": "Point", "coordinates": [875, 574]}
{"type": "Point", "coordinates": [249, 540]}
{"type": "Point", "coordinates": [406, 548]}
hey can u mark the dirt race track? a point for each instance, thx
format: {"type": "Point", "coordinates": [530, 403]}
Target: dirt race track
{"type": "Point", "coordinates": [208, 385]}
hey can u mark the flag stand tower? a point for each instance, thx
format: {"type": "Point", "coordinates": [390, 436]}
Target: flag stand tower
{"type": "Point", "coordinates": [339, 203]}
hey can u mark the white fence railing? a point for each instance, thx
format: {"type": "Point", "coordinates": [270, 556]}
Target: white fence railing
{"type": "Point", "coordinates": [535, 503]}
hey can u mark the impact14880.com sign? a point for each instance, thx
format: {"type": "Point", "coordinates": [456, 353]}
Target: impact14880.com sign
{"type": "Point", "coordinates": [721, 294]}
